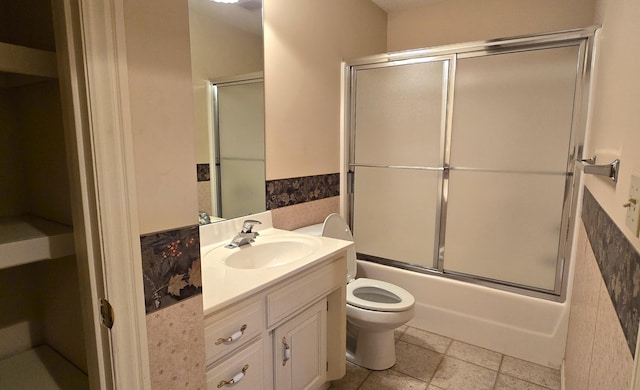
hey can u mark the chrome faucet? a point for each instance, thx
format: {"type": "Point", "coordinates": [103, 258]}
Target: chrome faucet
{"type": "Point", "coordinates": [246, 235]}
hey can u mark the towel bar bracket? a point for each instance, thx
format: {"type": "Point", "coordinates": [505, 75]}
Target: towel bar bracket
{"type": "Point", "coordinates": [609, 170]}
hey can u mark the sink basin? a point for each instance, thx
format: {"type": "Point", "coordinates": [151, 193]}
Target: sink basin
{"type": "Point", "coordinates": [267, 252]}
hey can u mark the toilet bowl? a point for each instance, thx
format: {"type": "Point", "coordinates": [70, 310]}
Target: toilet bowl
{"type": "Point", "coordinates": [374, 308]}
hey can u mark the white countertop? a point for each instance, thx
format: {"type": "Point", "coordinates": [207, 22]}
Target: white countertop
{"type": "Point", "coordinates": [222, 285]}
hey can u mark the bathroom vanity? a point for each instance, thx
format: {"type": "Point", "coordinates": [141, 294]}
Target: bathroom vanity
{"type": "Point", "coordinates": [275, 314]}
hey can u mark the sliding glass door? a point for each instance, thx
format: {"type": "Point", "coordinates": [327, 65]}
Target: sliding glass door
{"type": "Point", "coordinates": [461, 163]}
{"type": "Point", "coordinates": [398, 148]}
{"type": "Point", "coordinates": [512, 122]}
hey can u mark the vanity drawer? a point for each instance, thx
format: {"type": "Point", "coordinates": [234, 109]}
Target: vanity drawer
{"type": "Point", "coordinates": [231, 328]}
{"type": "Point", "coordinates": [247, 365]}
{"type": "Point", "coordinates": [304, 290]}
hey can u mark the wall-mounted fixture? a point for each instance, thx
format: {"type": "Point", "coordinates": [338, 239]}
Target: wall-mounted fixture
{"type": "Point", "coordinates": [632, 219]}
{"type": "Point", "coordinates": [610, 170]}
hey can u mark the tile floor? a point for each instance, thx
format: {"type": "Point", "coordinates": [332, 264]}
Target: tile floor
{"type": "Point", "coordinates": [427, 361]}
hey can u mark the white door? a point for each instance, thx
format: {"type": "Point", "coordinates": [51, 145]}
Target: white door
{"type": "Point", "coordinates": [300, 356]}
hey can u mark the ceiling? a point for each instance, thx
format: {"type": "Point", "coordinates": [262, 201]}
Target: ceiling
{"type": "Point", "coordinates": [245, 15]}
{"type": "Point", "coordinates": [401, 5]}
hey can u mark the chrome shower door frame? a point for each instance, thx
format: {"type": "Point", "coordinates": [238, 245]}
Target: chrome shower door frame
{"type": "Point", "coordinates": [584, 40]}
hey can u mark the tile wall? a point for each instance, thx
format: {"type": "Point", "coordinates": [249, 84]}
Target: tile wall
{"type": "Point", "coordinates": [173, 303]}
{"type": "Point", "coordinates": [603, 322]}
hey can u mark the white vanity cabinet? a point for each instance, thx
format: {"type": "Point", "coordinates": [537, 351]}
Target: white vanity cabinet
{"type": "Point", "coordinates": [289, 335]}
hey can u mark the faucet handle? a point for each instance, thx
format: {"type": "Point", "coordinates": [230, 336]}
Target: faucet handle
{"type": "Point", "coordinates": [247, 225]}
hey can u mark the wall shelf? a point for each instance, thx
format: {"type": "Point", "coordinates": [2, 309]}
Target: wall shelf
{"type": "Point", "coordinates": [26, 61]}
{"type": "Point", "coordinates": [41, 368]}
{"type": "Point", "coordinates": [27, 239]}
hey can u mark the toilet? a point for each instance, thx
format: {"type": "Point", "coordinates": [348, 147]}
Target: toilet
{"type": "Point", "coordinates": [374, 308]}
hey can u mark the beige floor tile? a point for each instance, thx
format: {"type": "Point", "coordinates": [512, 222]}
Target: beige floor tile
{"type": "Point", "coordinates": [506, 382]}
{"type": "Point", "coordinates": [454, 374]}
{"type": "Point", "coordinates": [473, 354]}
{"type": "Point", "coordinates": [398, 332]}
{"type": "Point", "coordinates": [353, 378]}
{"type": "Point", "coordinates": [425, 339]}
{"type": "Point", "coordinates": [531, 372]}
{"type": "Point", "coordinates": [392, 380]}
{"type": "Point", "coordinates": [417, 362]}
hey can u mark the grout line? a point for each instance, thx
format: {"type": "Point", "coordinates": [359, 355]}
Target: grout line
{"type": "Point", "coordinates": [410, 376]}
{"type": "Point", "coordinates": [526, 381]}
{"type": "Point", "coordinates": [365, 378]}
{"type": "Point", "coordinates": [499, 370]}
{"type": "Point", "coordinates": [423, 347]}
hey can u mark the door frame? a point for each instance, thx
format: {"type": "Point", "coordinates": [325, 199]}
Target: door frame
{"type": "Point", "coordinates": [94, 84]}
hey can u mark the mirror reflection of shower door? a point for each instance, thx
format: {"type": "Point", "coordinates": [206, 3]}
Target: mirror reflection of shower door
{"type": "Point", "coordinates": [397, 160]}
{"type": "Point", "coordinates": [239, 183]}
{"type": "Point", "coordinates": [511, 133]}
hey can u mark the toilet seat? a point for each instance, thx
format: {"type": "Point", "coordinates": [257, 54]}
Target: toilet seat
{"type": "Point", "coordinates": [335, 227]}
{"type": "Point", "coordinates": [366, 293]}
{"type": "Point", "coordinates": [378, 295]}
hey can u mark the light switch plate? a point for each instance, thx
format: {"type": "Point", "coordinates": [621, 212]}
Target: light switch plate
{"type": "Point", "coordinates": [633, 206]}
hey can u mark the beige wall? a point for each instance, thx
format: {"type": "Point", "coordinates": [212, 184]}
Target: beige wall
{"type": "Point", "coordinates": [217, 50]}
{"type": "Point", "coordinates": [455, 21]}
{"type": "Point", "coordinates": [161, 104]}
{"type": "Point", "coordinates": [615, 124]}
{"type": "Point", "coordinates": [157, 38]}
{"type": "Point", "coordinates": [305, 41]}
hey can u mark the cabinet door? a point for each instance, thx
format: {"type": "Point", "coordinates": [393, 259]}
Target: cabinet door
{"type": "Point", "coordinates": [300, 356]}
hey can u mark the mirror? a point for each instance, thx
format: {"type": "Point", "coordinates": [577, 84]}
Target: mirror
{"type": "Point", "coordinates": [227, 58]}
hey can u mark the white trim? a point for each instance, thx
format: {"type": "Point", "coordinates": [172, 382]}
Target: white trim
{"type": "Point", "coordinates": [102, 30]}
{"type": "Point", "coordinates": [83, 195]}
{"type": "Point", "coordinates": [344, 141]}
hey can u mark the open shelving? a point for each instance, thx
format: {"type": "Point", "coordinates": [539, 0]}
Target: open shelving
{"type": "Point", "coordinates": [41, 368]}
{"type": "Point", "coordinates": [27, 239]}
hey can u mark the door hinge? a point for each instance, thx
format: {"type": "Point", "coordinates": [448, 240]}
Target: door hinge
{"type": "Point", "coordinates": [327, 305]}
{"type": "Point", "coordinates": [327, 366]}
{"type": "Point", "coordinates": [106, 313]}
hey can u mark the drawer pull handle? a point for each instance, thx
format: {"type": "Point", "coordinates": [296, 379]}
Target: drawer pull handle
{"type": "Point", "coordinates": [233, 337]}
{"type": "Point", "coordinates": [287, 351]}
{"type": "Point", "coordinates": [237, 378]}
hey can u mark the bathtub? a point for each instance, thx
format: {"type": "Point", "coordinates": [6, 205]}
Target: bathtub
{"type": "Point", "coordinates": [527, 328]}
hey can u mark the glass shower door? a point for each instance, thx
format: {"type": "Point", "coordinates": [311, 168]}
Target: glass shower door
{"type": "Point", "coordinates": [511, 133]}
{"type": "Point", "coordinates": [397, 157]}
{"type": "Point", "coordinates": [239, 148]}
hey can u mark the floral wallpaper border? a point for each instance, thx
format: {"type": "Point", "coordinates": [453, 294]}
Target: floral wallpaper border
{"type": "Point", "coordinates": [288, 192]}
{"type": "Point", "coordinates": [170, 266]}
{"type": "Point", "coordinates": [203, 172]}
{"type": "Point", "coordinates": [619, 264]}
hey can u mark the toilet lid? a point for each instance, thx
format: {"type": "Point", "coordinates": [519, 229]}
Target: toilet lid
{"type": "Point", "coordinates": [378, 295]}
{"type": "Point", "coordinates": [336, 227]}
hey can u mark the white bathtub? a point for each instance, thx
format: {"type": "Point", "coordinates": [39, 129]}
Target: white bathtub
{"type": "Point", "coordinates": [528, 328]}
